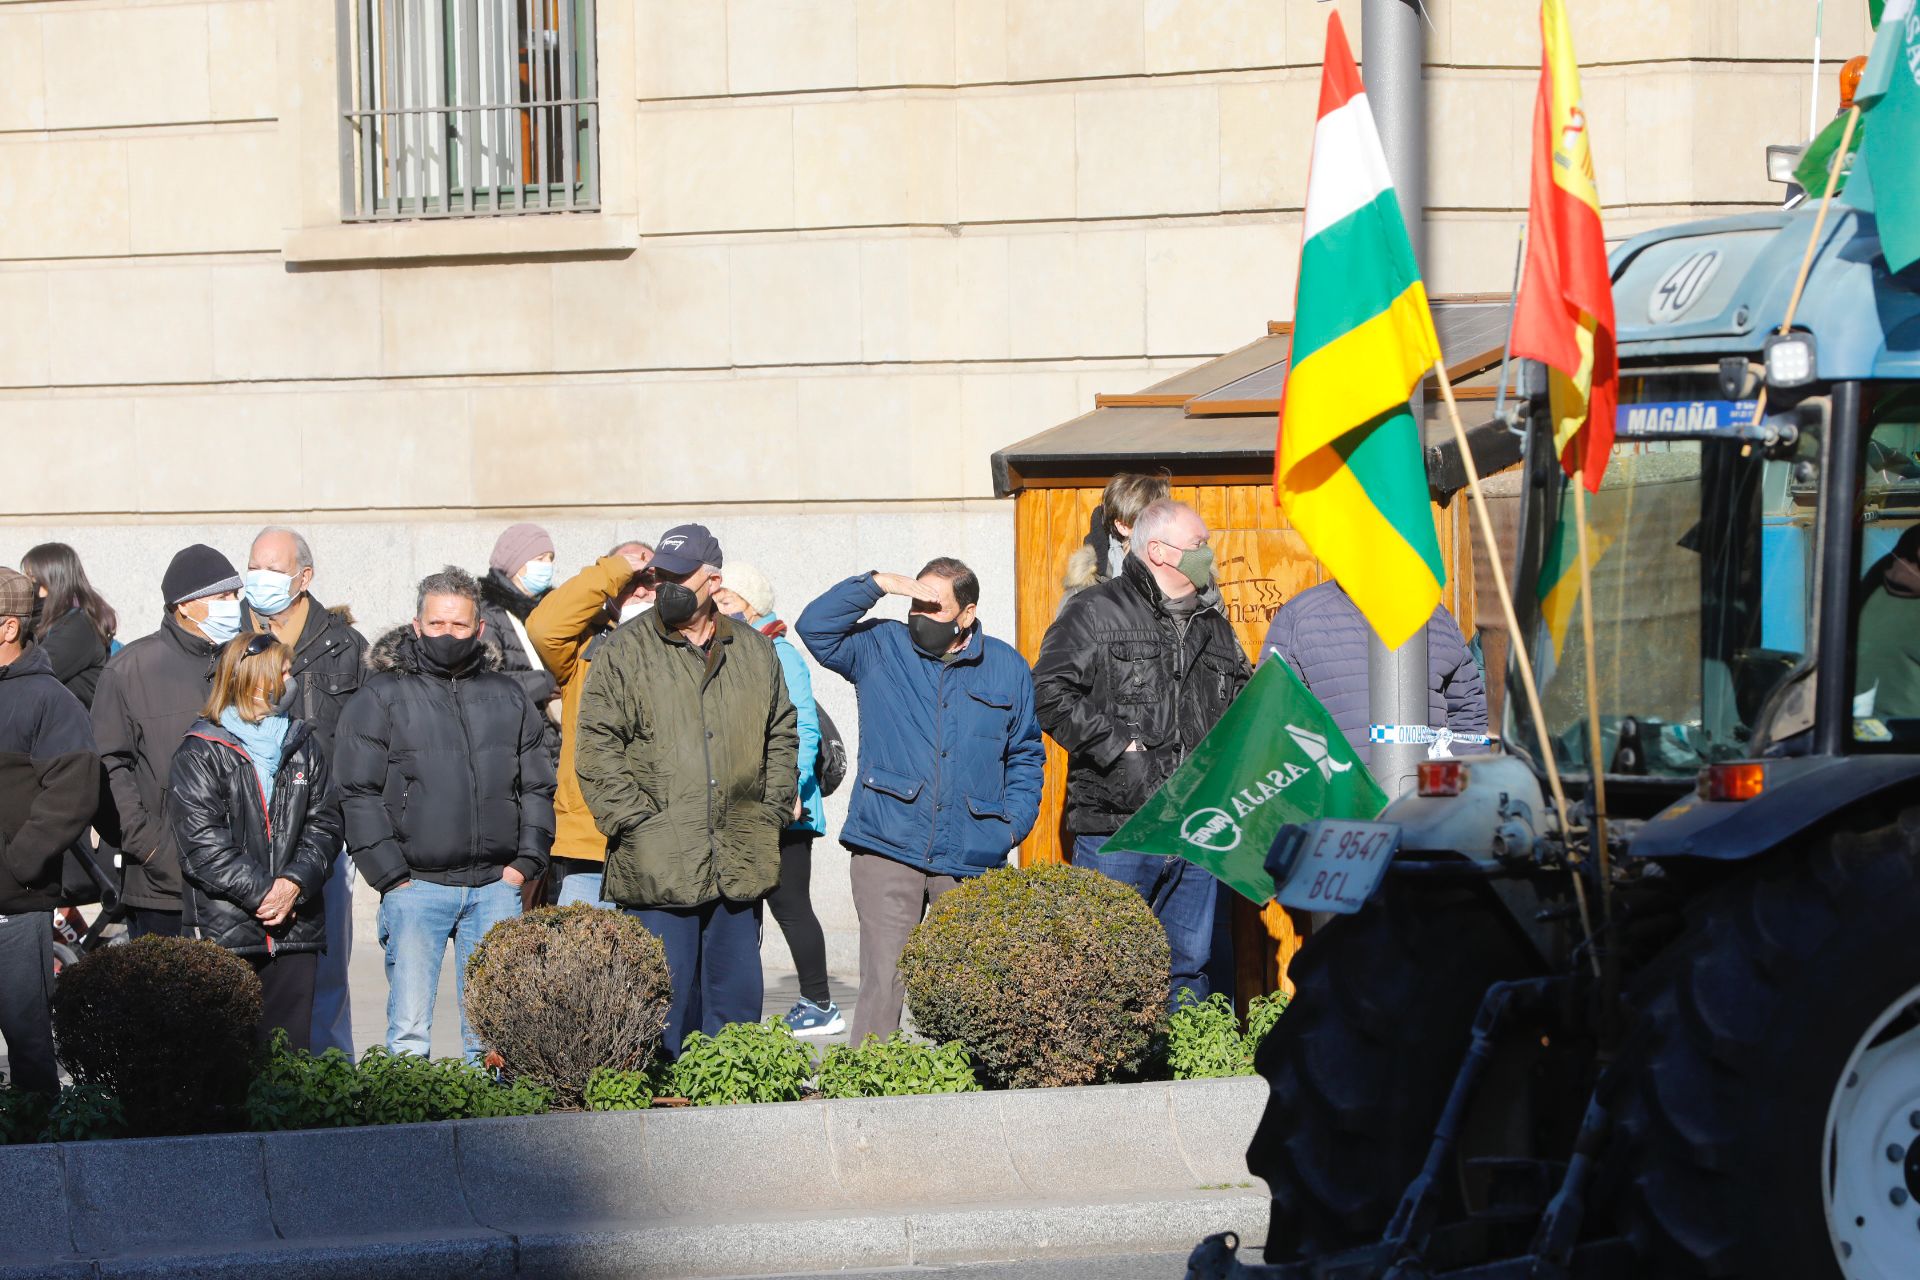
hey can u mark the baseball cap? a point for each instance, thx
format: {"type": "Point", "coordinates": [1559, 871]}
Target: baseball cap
{"type": "Point", "coordinates": [684, 548]}
{"type": "Point", "coordinates": [17, 594]}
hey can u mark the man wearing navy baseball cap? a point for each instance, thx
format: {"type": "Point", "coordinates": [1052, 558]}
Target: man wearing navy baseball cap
{"type": "Point", "coordinates": [687, 752]}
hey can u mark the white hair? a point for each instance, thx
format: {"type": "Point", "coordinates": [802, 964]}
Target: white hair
{"type": "Point", "coordinates": [302, 553]}
{"type": "Point", "coordinates": [1154, 523]}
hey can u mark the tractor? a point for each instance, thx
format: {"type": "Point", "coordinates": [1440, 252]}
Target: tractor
{"type": "Point", "coordinates": [1691, 1049]}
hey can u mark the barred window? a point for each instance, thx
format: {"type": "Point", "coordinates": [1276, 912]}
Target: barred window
{"type": "Point", "coordinates": [462, 108]}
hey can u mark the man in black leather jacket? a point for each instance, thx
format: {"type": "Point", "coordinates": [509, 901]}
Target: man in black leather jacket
{"type": "Point", "coordinates": [1131, 675]}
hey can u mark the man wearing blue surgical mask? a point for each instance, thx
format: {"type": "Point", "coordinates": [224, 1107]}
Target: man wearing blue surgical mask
{"type": "Point", "coordinates": [329, 658]}
{"type": "Point", "coordinates": [149, 695]}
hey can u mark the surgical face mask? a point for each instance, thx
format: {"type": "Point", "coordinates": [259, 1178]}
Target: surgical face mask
{"type": "Point", "coordinates": [268, 592]}
{"type": "Point", "coordinates": [289, 695]}
{"type": "Point", "coordinates": [676, 604]}
{"type": "Point", "coordinates": [931, 636]}
{"type": "Point", "coordinates": [537, 576]}
{"type": "Point", "coordinates": [633, 609]}
{"type": "Point", "coordinates": [222, 622]}
{"type": "Point", "coordinates": [741, 617]}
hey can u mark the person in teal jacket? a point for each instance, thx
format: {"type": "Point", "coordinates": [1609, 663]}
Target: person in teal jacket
{"type": "Point", "coordinates": [748, 598]}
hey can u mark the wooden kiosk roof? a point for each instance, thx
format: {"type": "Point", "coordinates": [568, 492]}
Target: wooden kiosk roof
{"type": "Point", "coordinates": [1215, 422]}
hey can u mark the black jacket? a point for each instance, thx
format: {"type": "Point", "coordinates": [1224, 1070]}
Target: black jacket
{"type": "Point", "coordinates": [1116, 666]}
{"type": "Point", "coordinates": [501, 605]}
{"type": "Point", "coordinates": [76, 652]}
{"type": "Point", "coordinates": [233, 847]}
{"type": "Point", "coordinates": [330, 660]}
{"type": "Point", "coordinates": [49, 781]}
{"type": "Point", "coordinates": [149, 696]}
{"type": "Point", "coordinates": [443, 775]}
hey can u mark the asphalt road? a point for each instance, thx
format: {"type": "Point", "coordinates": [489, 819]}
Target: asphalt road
{"type": "Point", "coordinates": [1150, 1266]}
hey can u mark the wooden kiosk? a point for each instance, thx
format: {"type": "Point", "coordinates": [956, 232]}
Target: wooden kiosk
{"type": "Point", "coordinates": [1212, 430]}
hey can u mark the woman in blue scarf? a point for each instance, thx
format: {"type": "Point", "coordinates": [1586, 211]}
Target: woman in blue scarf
{"type": "Point", "coordinates": [258, 827]}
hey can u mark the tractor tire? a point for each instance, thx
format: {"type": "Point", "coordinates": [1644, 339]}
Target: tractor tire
{"type": "Point", "coordinates": [1746, 1035]}
{"type": "Point", "coordinates": [1362, 1061]}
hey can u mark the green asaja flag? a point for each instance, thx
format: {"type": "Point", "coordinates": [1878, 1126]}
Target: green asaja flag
{"type": "Point", "coordinates": [1275, 757]}
{"type": "Point", "coordinates": [1885, 178]}
{"type": "Point", "coordinates": [1811, 172]}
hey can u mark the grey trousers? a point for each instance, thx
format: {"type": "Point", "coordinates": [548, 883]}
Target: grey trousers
{"type": "Point", "coordinates": [26, 992]}
{"type": "Point", "coordinates": [332, 1009]}
{"type": "Point", "coordinates": [890, 898]}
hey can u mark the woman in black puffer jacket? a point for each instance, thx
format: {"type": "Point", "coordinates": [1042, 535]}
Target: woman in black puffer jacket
{"type": "Point", "coordinates": [258, 827]}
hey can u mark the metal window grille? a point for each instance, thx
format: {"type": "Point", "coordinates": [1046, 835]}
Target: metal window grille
{"type": "Point", "coordinates": [465, 108]}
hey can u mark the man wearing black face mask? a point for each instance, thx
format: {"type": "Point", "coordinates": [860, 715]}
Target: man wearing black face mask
{"type": "Point", "coordinates": [447, 791]}
{"type": "Point", "coordinates": [686, 750]}
{"type": "Point", "coordinates": [950, 756]}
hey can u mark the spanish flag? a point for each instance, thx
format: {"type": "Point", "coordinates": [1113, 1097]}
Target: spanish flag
{"type": "Point", "coordinates": [1348, 467]}
{"type": "Point", "coordinates": [1565, 315]}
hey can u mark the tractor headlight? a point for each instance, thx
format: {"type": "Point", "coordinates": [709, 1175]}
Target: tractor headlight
{"type": "Point", "coordinates": [1790, 360]}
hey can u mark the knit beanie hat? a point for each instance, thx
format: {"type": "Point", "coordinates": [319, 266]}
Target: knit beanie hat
{"type": "Point", "coordinates": [752, 586]}
{"type": "Point", "coordinates": [519, 544]}
{"type": "Point", "coordinates": [197, 571]}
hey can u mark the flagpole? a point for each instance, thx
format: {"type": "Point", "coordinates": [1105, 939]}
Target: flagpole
{"type": "Point", "coordinates": [1813, 241]}
{"type": "Point", "coordinates": [1517, 645]}
{"type": "Point", "coordinates": [1596, 766]}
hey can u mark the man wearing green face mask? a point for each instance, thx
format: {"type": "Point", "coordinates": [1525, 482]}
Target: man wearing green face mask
{"type": "Point", "coordinates": [1131, 675]}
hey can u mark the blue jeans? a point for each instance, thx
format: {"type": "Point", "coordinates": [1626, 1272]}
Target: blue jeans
{"type": "Point", "coordinates": [713, 956]}
{"type": "Point", "coordinates": [580, 888]}
{"type": "Point", "coordinates": [415, 923]}
{"type": "Point", "coordinates": [332, 1010]}
{"type": "Point", "coordinates": [1182, 897]}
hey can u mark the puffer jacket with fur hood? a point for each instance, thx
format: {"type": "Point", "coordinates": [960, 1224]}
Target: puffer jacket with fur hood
{"type": "Point", "coordinates": [443, 774]}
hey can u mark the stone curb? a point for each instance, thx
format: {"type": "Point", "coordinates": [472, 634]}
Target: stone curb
{"type": "Point", "coordinates": [717, 1191]}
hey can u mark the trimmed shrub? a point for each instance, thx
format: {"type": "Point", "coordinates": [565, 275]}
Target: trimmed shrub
{"type": "Point", "coordinates": [164, 1025]}
{"type": "Point", "coordinates": [746, 1062]}
{"type": "Point", "coordinates": [1049, 975]}
{"type": "Point", "coordinates": [561, 991]}
{"type": "Point", "coordinates": [896, 1067]}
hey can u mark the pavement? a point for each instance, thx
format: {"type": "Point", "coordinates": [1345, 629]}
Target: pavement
{"type": "Point", "coordinates": [1140, 1266]}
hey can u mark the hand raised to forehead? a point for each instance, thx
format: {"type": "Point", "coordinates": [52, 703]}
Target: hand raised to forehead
{"type": "Point", "coordinates": [899, 584]}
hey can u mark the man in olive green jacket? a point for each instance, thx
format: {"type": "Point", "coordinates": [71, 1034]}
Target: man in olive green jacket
{"type": "Point", "coordinates": [686, 750]}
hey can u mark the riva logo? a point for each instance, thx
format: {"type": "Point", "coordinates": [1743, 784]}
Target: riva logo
{"type": "Point", "coordinates": [1212, 829]}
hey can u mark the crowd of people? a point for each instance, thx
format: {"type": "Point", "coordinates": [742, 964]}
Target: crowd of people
{"type": "Point", "coordinates": [642, 735]}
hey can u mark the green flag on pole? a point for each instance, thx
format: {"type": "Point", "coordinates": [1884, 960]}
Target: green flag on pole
{"type": "Point", "coordinates": [1885, 180]}
{"type": "Point", "coordinates": [1873, 11]}
{"type": "Point", "coordinates": [1275, 757]}
{"type": "Point", "coordinates": [1811, 172]}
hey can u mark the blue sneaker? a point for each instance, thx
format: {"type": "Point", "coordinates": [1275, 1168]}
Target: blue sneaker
{"type": "Point", "coordinates": [809, 1019]}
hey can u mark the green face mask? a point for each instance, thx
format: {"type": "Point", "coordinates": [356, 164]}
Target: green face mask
{"type": "Point", "coordinates": [1196, 564]}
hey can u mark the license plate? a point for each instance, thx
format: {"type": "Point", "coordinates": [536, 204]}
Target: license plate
{"type": "Point", "coordinates": [1336, 864]}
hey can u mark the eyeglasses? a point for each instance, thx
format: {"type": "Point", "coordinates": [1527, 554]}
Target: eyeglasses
{"type": "Point", "coordinates": [257, 643]}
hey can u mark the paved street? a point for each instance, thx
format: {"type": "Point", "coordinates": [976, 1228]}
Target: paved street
{"type": "Point", "coordinates": [1150, 1266]}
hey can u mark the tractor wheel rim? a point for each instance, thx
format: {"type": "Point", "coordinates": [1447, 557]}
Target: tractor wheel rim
{"type": "Point", "coordinates": [1872, 1150]}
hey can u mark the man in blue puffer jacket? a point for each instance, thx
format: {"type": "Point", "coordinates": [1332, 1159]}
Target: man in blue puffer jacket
{"type": "Point", "coordinates": [950, 756]}
{"type": "Point", "coordinates": [1322, 635]}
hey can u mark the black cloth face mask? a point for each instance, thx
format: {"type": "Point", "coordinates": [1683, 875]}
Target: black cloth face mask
{"type": "Point", "coordinates": [931, 636]}
{"type": "Point", "coordinates": [450, 653]}
{"type": "Point", "coordinates": [675, 604]}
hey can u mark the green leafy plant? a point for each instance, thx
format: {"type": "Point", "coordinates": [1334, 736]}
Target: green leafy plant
{"type": "Point", "coordinates": [561, 992]}
{"type": "Point", "coordinates": [1049, 975]}
{"type": "Point", "coordinates": [23, 1115]}
{"type": "Point", "coordinates": [610, 1090]}
{"type": "Point", "coordinates": [746, 1062]}
{"type": "Point", "coordinates": [83, 1113]}
{"type": "Point", "coordinates": [896, 1067]}
{"type": "Point", "coordinates": [1204, 1038]}
{"type": "Point", "coordinates": [164, 1025]}
{"type": "Point", "coordinates": [299, 1090]}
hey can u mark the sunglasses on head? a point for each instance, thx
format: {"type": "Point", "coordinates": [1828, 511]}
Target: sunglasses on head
{"type": "Point", "coordinates": [257, 643]}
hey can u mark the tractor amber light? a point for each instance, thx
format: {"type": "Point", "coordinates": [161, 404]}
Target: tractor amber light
{"type": "Point", "coordinates": [1442, 777]}
{"type": "Point", "coordinates": [1850, 76]}
{"type": "Point", "coordinates": [1732, 781]}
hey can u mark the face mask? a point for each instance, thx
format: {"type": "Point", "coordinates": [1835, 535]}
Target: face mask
{"type": "Point", "coordinates": [222, 622]}
{"type": "Point", "coordinates": [268, 592]}
{"type": "Point", "coordinates": [537, 576]}
{"type": "Point", "coordinates": [39, 612]}
{"type": "Point", "coordinates": [450, 653]}
{"type": "Point", "coordinates": [1196, 565]}
{"type": "Point", "coordinates": [289, 694]}
{"type": "Point", "coordinates": [931, 636]}
{"type": "Point", "coordinates": [633, 609]}
{"type": "Point", "coordinates": [676, 604]}
{"type": "Point", "coordinates": [741, 618]}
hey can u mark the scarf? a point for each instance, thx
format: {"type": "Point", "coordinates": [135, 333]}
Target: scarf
{"type": "Point", "coordinates": [263, 742]}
